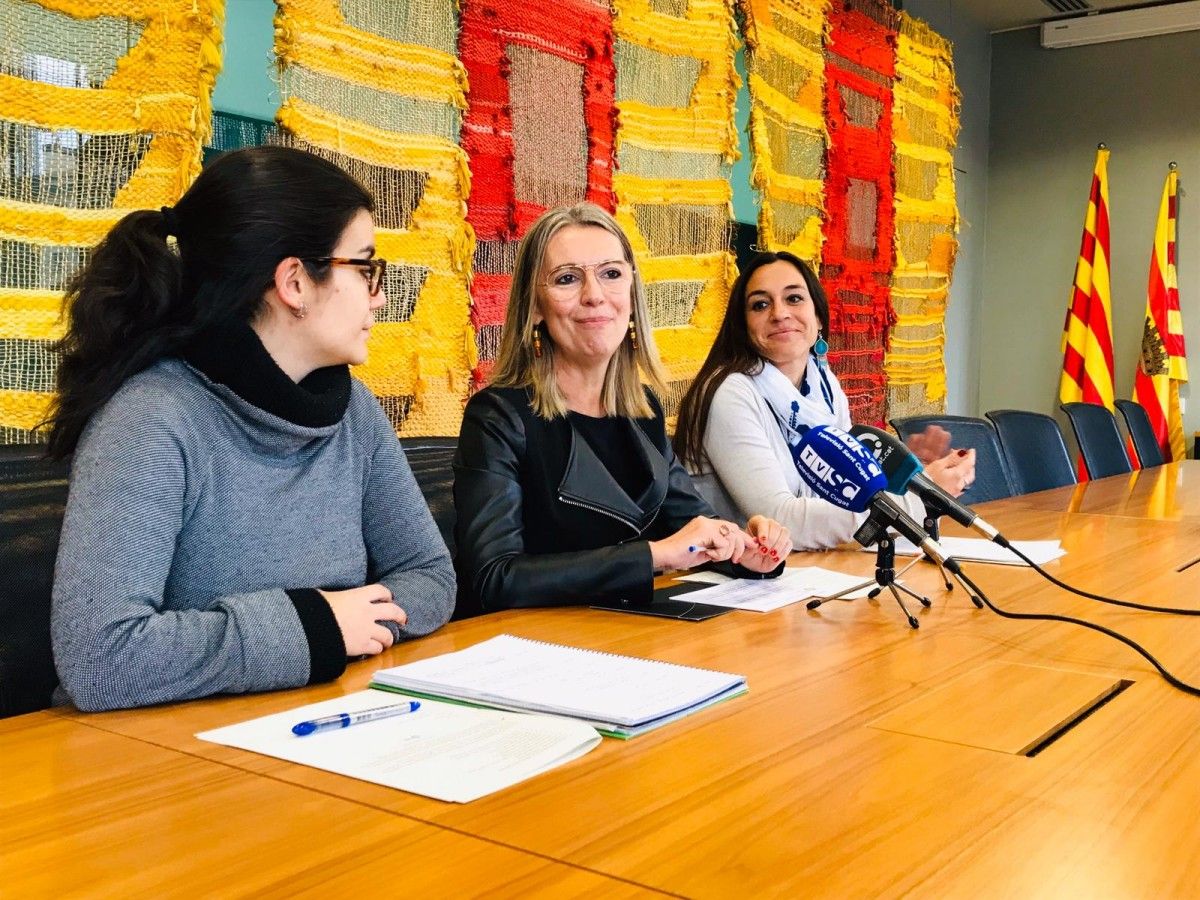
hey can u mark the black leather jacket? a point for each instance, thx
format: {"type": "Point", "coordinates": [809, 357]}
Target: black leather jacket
{"type": "Point", "coordinates": [541, 522]}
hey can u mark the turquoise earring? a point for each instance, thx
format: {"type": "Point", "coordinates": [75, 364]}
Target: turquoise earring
{"type": "Point", "coordinates": [820, 348]}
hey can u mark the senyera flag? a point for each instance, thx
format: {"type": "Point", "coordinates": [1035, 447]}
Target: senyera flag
{"type": "Point", "coordinates": [1087, 335]}
{"type": "Point", "coordinates": [1087, 374]}
{"type": "Point", "coordinates": [1162, 365]}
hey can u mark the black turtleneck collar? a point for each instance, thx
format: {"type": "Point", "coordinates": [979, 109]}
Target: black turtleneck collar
{"type": "Point", "coordinates": [234, 356]}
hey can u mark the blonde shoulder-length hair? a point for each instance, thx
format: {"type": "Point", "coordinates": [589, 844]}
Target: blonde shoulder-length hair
{"type": "Point", "coordinates": [518, 366]}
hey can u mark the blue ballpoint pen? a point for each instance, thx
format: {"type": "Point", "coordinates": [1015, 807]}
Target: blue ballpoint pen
{"type": "Point", "coordinates": [345, 720]}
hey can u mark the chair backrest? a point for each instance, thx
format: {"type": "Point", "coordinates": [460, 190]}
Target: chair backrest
{"type": "Point", "coordinates": [992, 478]}
{"type": "Point", "coordinates": [1145, 443]}
{"type": "Point", "coordinates": [1099, 441]}
{"type": "Point", "coordinates": [430, 459]}
{"type": "Point", "coordinates": [1034, 446]}
{"type": "Point", "coordinates": [33, 496]}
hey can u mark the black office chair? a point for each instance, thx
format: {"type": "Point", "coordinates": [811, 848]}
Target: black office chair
{"type": "Point", "coordinates": [1099, 441]}
{"type": "Point", "coordinates": [1034, 446]}
{"type": "Point", "coordinates": [992, 478]}
{"type": "Point", "coordinates": [1145, 442]}
{"type": "Point", "coordinates": [431, 460]}
{"type": "Point", "coordinates": [33, 495]}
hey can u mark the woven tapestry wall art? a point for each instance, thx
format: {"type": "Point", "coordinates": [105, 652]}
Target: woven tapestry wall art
{"type": "Point", "coordinates": [854, 118]}
{"type": "Point", "coordinates": [853, 123]}
{"type": "Point", "coordinates": [676, 140]}
{"type": "Point", "coordinates": [378, 89]}
{"type": "Point", "coordinates": [924, 134]}
{"type": "Point", "coordinates": [786, 79]}
{"type": "Point", "coordinates": [538, 133]}
{"type": "Point", "coordinates": [104, 107]}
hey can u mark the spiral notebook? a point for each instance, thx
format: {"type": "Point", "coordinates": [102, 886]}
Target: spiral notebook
{"type": "Point", "coordinates": [619, 696]}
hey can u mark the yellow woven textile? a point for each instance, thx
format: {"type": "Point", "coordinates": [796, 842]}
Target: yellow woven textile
{"type": "Point", "coordinates": [104, 107]}
{"type": "Point", "coordinates": [676, 142]}
{"type": "Point", "coordinates": [924, 129]}
{"type": "Point", "coordinates": [785, 65]}
{"type": "Point", "coordinates": [376, 87]}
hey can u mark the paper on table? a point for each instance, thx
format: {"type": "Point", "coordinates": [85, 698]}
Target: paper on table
{"type": "Point", "coordinates": [979, 550]}
{"type": "Point", "coordinates": [794, 585]}
{"type": "Point", "coordinates": [442, 750]}
{"type": "Point", "coordinates": [706, 577]}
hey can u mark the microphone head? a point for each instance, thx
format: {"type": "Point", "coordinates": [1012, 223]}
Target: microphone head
{"type": "Point", "coordinates": [897, 461]}
{"type": "Point", "coordinates": [838, 468]}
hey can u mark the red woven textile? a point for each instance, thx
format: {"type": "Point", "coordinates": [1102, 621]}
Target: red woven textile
{"type": "Point", "coordinates": [508, 147]}
{"type": "Point", "coordinates": [859, 249]}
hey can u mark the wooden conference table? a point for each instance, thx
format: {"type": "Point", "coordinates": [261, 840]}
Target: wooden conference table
{"type": "Point", "coordinates": [868, 758]}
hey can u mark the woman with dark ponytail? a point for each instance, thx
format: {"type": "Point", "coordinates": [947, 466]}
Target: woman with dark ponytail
{"type": "Point", "coordinates": [241, 515]}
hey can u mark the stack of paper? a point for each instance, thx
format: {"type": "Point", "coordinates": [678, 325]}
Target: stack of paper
{"type": "Point", "coordinates": [619, 696]}
{"type": "Point", "coordinates": [768, 594]}
{"type": "Point", "coordinates": [442, 751]}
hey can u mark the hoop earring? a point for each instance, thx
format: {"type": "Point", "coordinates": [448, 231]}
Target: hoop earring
{"type": "Point", "coordinates": [821, 348]}
{"type": "Point", "coordinates": [301, 312]}
{"type": "Point", "coordinates": [633, 334]}
{"type": "Point", "coordinates": [537, 341]}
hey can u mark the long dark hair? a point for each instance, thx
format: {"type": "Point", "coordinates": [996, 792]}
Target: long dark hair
{"type": "Point", "coordinates": [731, 352]}
{"type": "Point", "coordinates": [138, 300]}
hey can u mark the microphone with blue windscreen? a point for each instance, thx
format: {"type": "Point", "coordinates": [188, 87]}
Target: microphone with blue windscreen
{"type": "Point", "coordinates": [839, 469]}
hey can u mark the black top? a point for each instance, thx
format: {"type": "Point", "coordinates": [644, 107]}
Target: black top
{"type": "Point", "coordinates": [612, 441]}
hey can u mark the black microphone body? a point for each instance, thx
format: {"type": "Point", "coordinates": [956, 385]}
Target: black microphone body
{"type": "Point", "coordinates": [904, 473]}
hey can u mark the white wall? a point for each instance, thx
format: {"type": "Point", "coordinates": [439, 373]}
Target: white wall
{"type": "Point", "coordinates": [1049, 110]}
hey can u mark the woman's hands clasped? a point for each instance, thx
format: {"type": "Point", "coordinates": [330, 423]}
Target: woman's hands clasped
{"type": "Point", "coordinates": [359, 612]}
{"type": "Point", "coordinates": [760, 548]}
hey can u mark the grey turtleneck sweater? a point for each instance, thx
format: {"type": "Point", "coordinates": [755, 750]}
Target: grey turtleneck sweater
{"type": "Point", "coordinates": [198, 526]}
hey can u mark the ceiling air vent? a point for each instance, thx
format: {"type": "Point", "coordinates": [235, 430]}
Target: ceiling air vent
{"type": "Point", "coordinates": [1068, 6]}
{"type": "Point", "coordinates": [1167, 18]}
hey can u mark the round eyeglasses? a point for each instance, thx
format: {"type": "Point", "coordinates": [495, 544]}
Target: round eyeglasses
{"type": "Point", "coordinates": [376, 268]}
{"type": "Point", "coordinates": [566, 281]}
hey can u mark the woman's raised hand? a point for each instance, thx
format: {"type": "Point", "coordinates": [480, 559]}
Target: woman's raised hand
{"type": "Point", "coordinates": [930, 445]}
{"type": "Point", "coordinates": [953, 473]}
{"type": "Point", "coordinates": [359, 611]}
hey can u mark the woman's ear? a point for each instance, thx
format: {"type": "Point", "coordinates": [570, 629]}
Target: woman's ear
{"type": "Point", "coordinates": [292, 285]}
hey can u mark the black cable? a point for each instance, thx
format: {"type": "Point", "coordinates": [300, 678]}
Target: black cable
{"type": "Point", "coordinates": [1053, 617]}
{"type": "Point", "coordinates": [1170, 610]}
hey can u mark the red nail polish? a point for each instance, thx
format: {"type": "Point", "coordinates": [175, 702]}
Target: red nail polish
{"type": "Point", "coordinates": [962, 452]}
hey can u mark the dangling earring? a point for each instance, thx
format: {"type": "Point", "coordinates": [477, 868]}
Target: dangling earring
{"type": "Point", "coordinates": [633, 334]}
{"type": "Point", "coordinates": [537, 341]}
{"type": "Point", "coordinates": [821, 348]}
{"type": "Point", "coordinates": [301, 312]}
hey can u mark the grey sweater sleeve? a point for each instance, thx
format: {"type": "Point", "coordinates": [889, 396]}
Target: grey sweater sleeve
{"type": "Point", "coordinates": [406, 551]}
{"type": "Point", "coordinates": [116, 643]}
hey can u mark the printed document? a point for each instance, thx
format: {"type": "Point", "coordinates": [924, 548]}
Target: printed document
{"type": "Point", "coordinates": [442, 750]}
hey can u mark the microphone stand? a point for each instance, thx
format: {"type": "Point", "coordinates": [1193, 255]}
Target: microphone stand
{"type": "Point", "coordinates": [933, 513]}
{"type": "Point", "coordinates": [875, 531]}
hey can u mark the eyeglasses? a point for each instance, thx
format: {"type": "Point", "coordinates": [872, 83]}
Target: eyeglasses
{"type": "Point", "coordinates": [566, 282]}
{"type": "Point", "coordinates": [377, 268]}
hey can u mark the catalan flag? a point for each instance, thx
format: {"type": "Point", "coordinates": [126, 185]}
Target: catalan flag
{"type": "Point", "coordinates": [1087, 335]}
{"type": "Point", "coordinates": [1162, 366]}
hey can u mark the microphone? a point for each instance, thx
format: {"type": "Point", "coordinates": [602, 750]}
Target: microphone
{"type": "Point", "coordinates": [842, 471]}
{"type": "Point", "coordinates": [905, 473]}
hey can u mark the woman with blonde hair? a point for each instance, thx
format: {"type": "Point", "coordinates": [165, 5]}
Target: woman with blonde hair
{"type": "Point", "coordinates": [566, 487]}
